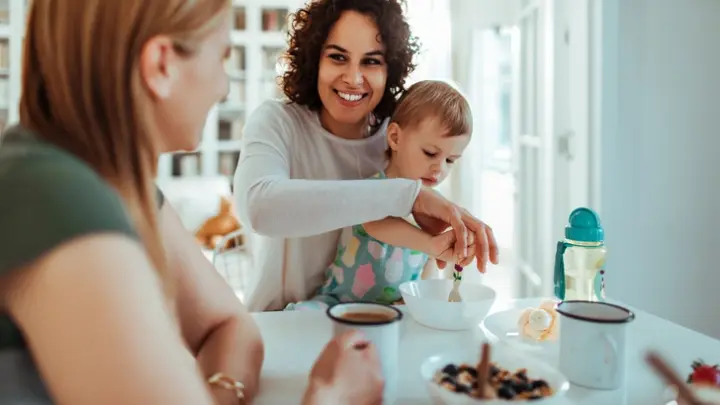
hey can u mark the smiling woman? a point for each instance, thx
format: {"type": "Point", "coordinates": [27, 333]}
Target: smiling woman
{"type": "Point", "coordinates": [345, 73]}
{"type": "Point", "coordinates": [356, 51]}
{"type": "Point", "coordinates": [349, 89]}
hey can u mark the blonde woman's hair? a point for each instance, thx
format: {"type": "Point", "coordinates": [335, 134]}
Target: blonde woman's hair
{"type": "Point", "coordinates": [82, 90]}
{"type": "Point", "coordinates": [434, 99]}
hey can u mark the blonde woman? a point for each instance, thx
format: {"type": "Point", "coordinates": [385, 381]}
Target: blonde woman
{"type": "Point", "coordinates": [105, 297]}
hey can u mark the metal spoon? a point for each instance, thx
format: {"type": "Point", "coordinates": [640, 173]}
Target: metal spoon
{"type": "Point", "coordinates": [457, 279]}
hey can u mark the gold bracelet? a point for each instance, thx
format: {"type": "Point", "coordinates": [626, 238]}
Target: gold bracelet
{"type": "Point", "coordinates": [226, 382]}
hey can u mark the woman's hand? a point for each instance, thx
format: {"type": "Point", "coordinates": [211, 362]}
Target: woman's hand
{"type": "Point", "coordinates": [435, 213]}
{"type": "Point", "coordinates": [443, 247]}
{"type": "Point", "coordinates": [346, 373]}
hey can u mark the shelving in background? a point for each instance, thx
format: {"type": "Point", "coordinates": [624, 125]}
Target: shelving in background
{"type": "Point", "coordinates": [12, 30]}
{"type": "Point", "coordinates": [274, 19]}
{"type": "Point", "coordinates": [239, 18]}
{"type": "Point", "coordinates": [272, 71]}
{"type": "Point", "coordinates": [254, 68]}
{"type": "Point", "coordinates": [186, 164]}
{"type": "Point", "coordinates": [258, 39]}
{"type": "Point", "coordinates": [228, 162]}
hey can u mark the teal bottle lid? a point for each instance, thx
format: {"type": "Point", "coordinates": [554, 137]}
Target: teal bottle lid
{"type": "Point", "coordinates": [584, 226]}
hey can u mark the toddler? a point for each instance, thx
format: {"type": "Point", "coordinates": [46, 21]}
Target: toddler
{"type": "Point", "coordinates": [426, 135]}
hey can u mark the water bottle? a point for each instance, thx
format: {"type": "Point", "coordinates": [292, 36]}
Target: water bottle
{"type": "Point", "coordinates": [580, 258]}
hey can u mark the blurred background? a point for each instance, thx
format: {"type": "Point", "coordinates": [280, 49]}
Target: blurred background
{"type": "Point", "coordinates": [609, 104]}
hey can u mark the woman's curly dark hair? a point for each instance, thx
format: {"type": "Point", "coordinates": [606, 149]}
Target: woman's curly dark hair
{"type": "Point", "coordinates": [309, 29]}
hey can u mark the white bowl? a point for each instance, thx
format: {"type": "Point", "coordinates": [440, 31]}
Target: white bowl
{"type": "Point", "coordinates": [503, 357]}
{"type": "Point", "coordinates": [427, 302]}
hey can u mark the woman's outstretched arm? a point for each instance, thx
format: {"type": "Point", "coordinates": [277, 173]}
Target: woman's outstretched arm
{"type": "Point", "coordinates": [273, 204]}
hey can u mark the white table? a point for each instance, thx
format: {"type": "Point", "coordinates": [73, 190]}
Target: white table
{"type": "Point", "coordinates": [293, 340]}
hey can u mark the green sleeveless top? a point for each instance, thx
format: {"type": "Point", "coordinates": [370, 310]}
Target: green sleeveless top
{"type": "Point", "coordinates": [48, 197]}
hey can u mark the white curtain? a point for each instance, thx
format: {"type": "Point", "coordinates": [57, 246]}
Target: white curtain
{"type": "Point", "coordinates": [430, 22]}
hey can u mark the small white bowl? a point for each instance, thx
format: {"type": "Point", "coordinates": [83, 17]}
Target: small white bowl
{"type": "Point", "coordinates": [504, 358]}
{"type": "Point", "coordinates": [427, 302]}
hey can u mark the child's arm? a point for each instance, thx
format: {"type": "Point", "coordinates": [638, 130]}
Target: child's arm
{"type": "Point", "coordinates": [398, 232]}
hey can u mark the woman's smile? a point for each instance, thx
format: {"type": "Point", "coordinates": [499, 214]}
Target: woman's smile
{"type": "Point", "coordinates": [351, 99]}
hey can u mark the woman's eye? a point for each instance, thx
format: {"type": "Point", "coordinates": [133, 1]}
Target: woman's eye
{"type": "Point", "coordinates": [337, 57]}
{"type": "Point", "coordinates": [429, 154]}
{"type": "Point", "coordinates": [371, 61]}
{"type": "Point", "coordinates": [450, 161]}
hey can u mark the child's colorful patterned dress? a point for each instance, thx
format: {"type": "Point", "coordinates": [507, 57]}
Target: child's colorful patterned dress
{"type": "Point", "coordinates": [365, 269]}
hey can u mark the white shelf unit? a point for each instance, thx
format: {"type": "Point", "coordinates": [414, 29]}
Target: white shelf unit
{"type": "Point", "coordinates": [258, 38]}
{"type": "Point", "coordinates": [12, 30]}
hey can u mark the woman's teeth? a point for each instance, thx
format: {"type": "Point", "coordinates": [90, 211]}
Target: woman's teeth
{"type": "Point", "coordinates": [350, 97]}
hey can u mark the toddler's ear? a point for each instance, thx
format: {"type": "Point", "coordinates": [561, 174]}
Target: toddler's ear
{"type": "Point", "coordinates": [393, 136]}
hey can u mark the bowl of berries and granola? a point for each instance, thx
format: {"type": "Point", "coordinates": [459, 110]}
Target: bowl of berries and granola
{"type": "Point", "coordinates": [471, 377]}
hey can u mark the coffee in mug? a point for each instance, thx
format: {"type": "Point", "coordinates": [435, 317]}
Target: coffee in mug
{"type": "Point", "coordinates": [367, 317]}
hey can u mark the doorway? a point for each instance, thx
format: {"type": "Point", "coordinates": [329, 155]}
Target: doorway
{"type": "Point", "coordinates": [530, 95]}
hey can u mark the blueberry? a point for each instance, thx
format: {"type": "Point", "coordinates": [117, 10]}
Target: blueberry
{"type": "Point", "coordinates": [494, 371]}
{"type": "Point", "coordinates": [521, 386]}
{"type": "Point", "coordinates": [539, 384]}
{"type": "Point", "coordinates": [505, 392]}
{"type": "Point", "coordinates": [451, 370]}
{"type": "Point", "coordinates": [521, 375]}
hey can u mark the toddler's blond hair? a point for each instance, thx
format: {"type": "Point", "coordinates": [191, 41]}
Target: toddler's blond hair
{"type": "Point", "coordinates": [436, 99]}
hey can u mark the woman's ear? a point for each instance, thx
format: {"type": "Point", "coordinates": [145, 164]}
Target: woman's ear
{"type": "Point", "coordinates": [394, 133]}
{"type": "Point", "coordinates": [158, 66]}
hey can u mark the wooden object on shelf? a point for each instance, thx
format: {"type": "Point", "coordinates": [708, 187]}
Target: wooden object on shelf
{"type": "Point", "coordinates": [215, 228]}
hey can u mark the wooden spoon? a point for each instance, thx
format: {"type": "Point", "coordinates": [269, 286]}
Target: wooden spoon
{"type": "Point", "coordinates": [483, 370]}
{"type": "Point", "coordinates": [672, 379]}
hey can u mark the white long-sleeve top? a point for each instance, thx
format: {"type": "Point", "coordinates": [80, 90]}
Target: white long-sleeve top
{"type": "Point", "coordinates": [296, 186]}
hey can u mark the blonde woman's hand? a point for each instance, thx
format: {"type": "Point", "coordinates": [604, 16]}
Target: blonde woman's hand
{"type": "Point", "coordinates": [346, 373]}
{"type": "Point", "coordinates": [435, 214]}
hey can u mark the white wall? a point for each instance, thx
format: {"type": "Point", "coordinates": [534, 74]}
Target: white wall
{"type": "Point", "coordinates": [660, 147]}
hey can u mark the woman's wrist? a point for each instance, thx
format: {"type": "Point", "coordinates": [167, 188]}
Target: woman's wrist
{"type": "Point", "coordinates": [227, 390]}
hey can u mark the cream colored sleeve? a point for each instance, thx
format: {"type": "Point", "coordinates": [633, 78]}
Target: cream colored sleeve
{"type": "Point", "coordinates": [273, 204]}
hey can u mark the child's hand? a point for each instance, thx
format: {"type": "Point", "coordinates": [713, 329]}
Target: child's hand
{"type": "Point", "coordinates": [442, 247]}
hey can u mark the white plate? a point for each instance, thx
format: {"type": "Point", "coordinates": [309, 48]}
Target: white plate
{"type": "Point", "coordinates": [504, 358]}
{"type": "Point", "coordinates": [503, 326]}
{"type": "Point", "coordinates": [711, 395]}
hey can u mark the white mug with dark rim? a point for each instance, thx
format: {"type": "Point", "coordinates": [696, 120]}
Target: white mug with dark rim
{"type": "Point", "coordinates": [380, 324]}
{"type": "Point", "coordinates": [593, 343]}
